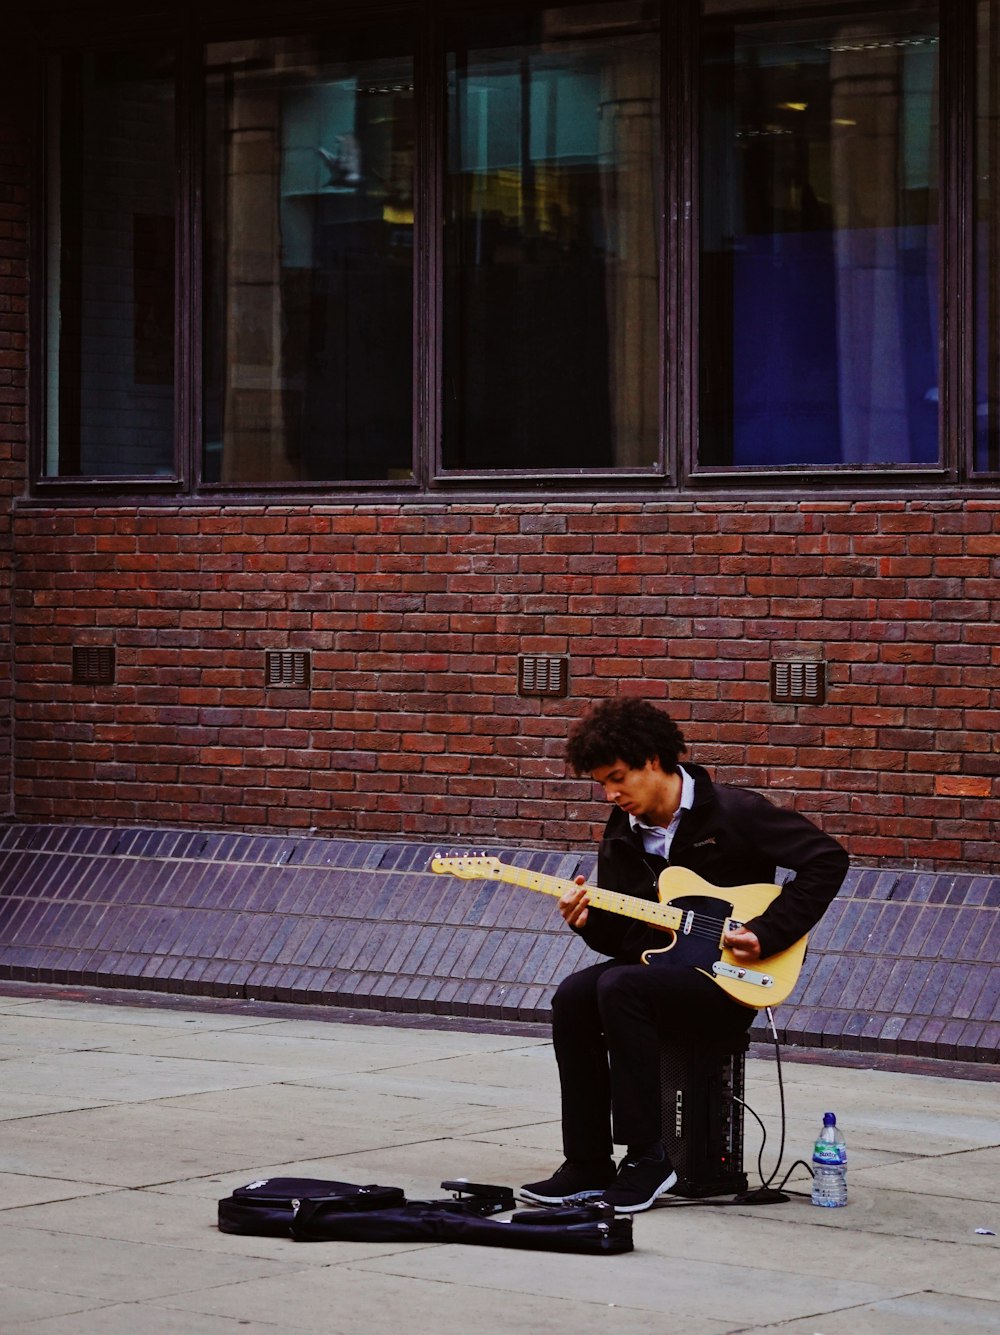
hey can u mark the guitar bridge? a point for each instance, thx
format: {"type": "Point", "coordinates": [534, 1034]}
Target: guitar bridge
{"type": "Point", "coordinates": [741, 974]}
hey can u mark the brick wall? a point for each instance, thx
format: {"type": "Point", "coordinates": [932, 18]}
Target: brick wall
{"type": "Point", "coordinates": [415, 617]}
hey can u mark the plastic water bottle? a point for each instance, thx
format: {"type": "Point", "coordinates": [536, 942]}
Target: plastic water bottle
{"type": "Point", "coordinates": [829, 1164]}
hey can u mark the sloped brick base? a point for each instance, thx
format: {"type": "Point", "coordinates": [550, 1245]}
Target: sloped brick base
{"type": "Point", "coordinates": [903, 963]}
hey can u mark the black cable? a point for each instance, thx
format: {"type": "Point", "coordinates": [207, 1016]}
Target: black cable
{"type": "Point", "coordinates": [799, 1163]}
{"type": "Point", "coordinates": [781, 1098]}
{"type": "Point", "coordinates": [766, 1194]}
{"type": "Point", "coordinates": [763, 1139]}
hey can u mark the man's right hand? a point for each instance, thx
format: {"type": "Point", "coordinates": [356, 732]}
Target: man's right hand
{"type": "Point", "coordinates": [573, 905]}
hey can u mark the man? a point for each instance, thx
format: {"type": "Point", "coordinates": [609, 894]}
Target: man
{"type": "Point", "coordinates": [607, 1020]}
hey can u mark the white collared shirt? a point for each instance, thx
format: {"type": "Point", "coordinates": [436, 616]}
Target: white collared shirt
{"type": "Point", "coordinates": [657, 839]}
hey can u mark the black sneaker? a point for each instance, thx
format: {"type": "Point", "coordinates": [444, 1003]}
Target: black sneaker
{"type": "Point", "coordinates": [571, 1181]}
{"type": "Point", "coordinates": [638, 1184]}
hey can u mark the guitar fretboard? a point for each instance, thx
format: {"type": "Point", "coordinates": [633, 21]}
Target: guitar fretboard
{"type": "Point", "coordinates": [630, 906]}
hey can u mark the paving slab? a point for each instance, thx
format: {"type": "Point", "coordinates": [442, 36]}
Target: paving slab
{"type": "Point", "coordinates": [32, 1310]}
{"type": "Point", "coordinates": [122, 1077]}
{"type": "Point", "coordinates": [114, 1011]}
{"type": "Point", "coordinates": [651, 1282]}
{"type": "Point", "coordinates": [972, 1176]}
{"type": "Point", "coordinates": [449, 1288]}
{"type": "Point", "coordinates": [159, 1219]}
{"type": "Point", "coordinates": [820, 1243]}
{"type": "Point", "coordinates": [282, 1048]}
{"type": "Point", "coordinates": [27, 1032]}
{"type": "Point", "coordinates": [923, 1313]}
{"type": "Point", "coordinates": [120, 1319]}
{"type": "Point", "coordinates": [25, 1189]}
{"type": "Point", "coordinates": [89, 1266]}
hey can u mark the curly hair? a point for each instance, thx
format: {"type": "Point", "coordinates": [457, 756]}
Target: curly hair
{"type": "Point", "coordinates": [625, 729]}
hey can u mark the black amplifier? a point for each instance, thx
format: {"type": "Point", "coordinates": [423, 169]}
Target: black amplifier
{"type": "Point", "coordinates": [702, 1102]}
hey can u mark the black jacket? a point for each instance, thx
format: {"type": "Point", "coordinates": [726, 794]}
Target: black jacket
{"type": "Point", "coordinates": [730, 836]}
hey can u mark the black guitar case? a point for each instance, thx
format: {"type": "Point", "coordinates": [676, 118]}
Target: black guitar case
{"type": "Point", "coordinates": [267, 1206]}
{"type": "Point", "coordinates": [591, 1229]}
{"type": "Point", "coordinates": [319, 1210]}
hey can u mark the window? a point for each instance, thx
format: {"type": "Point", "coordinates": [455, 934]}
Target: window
{"type": "Point", "coordinates": [551, 276]}
{"type": "Point", "coordinates": [987, 241]}
{"type": "Point", "coordinates": [609, 244]}
{"type": "Point", "coordinates": [111, 215]}
{"type": "Point", "coordinates": [819, 238]}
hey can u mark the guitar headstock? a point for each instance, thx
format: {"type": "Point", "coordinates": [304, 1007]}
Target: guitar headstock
{"type": "Point", "coordinates": [470, 866]}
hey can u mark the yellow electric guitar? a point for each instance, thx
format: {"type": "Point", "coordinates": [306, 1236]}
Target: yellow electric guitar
{"type": "Point", "coordinates": [691, 911]}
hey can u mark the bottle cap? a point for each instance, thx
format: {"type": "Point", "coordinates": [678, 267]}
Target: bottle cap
{"type": "Point", "coordinates": [829, 1119]}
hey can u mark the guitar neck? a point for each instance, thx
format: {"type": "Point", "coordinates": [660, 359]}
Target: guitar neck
{"type": "Point", "coordinates": [628, 906]}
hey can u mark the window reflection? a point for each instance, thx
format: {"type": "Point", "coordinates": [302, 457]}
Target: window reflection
{"type": "Point", "coordinates": [988, 240]}
{"type": "Point", "coordinates": [111, 211]}
{"type": "Point", "coordinates": [551, 285]}
{"type": "Point", "coordinates": [819, 236]}
{"type": "Point", "coordinates": [309, 270]}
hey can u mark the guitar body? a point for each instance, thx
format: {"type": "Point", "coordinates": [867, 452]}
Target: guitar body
{"type": "Point", "coordinates": [712, 909]}
{"type": "Point", "coordinates": [691, 914]}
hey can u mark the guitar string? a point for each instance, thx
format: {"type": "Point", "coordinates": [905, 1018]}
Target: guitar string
{"type": "Point", "coordinates": [702, 924]}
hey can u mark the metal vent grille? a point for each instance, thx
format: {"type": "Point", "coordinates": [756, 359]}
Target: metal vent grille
{"type": "Point", "coordinates": [93, 665]}
{"type": "Point", "coordinates": [287, 667]}
{"type": "Point", "coordinates": [542, 676]}
{"type": "Point", "coordinates": [798, 683]}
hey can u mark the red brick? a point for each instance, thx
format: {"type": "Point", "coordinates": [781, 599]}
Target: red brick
{"type": "Point", "coordinates": [958, 785]}
{"type": "Point", "coordinates": [415, 619]}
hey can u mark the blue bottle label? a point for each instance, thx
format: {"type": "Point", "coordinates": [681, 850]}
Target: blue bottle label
{"type": "Point", "coordinates": [826, 1153]}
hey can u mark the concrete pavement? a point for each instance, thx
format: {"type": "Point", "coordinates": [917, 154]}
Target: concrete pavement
{"type": "Point", "coordinates": [124, 1122]}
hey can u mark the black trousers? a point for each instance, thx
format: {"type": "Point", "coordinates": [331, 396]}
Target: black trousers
{"type": "Point", "coordinates": [607, 1024]}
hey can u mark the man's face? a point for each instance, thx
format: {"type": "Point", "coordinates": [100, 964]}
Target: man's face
{"type": "Point", "coordinates": [640, 792]}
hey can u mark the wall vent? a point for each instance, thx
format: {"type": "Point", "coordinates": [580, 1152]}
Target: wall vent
{"type": "Point", "coordinates": [287, 667]}
{"type": "Point", "coordinates": [542, 676]}
{"type": "Point", "coordinates": [93, 665]}
{"type": "Point", "coordinates": [798, 683]}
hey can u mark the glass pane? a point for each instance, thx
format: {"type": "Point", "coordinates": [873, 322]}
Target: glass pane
{"type": "Point", "coordinates": [551, 284]}
{"type": "Point", "coordinates": [111, 206]}
{"type": "Point", "coordinates": [308, 338]}
{"type": "Point", "coordinates": [819, 238]}
{"type": "Point", "coordinates": [988, 240]}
